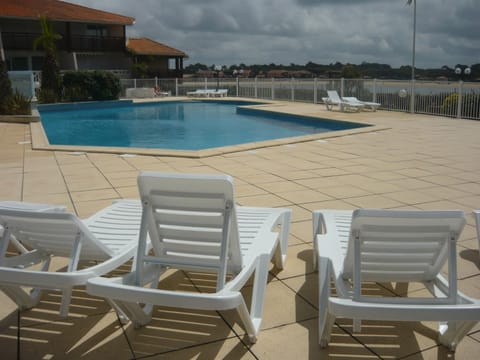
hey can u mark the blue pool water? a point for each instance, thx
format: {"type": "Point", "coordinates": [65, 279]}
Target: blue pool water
{"type": "Point", "coordinates": [179, 125]}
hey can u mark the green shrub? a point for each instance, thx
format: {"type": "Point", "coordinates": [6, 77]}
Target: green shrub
{"type": "Point", "coordinates": [77, 86]}
{"type": "Point", "coordinates": [107, 86]}
{"type": "Point", "coordinates": [139, 70]}
{"type": "Point", "coordinates": [18, 104]}
{"type": "Point", "coordinates": [47, 96]}
{"type": "Point", "coordinates": [5, 87]}
{"type": "Point", "coordinates": [85, 85]}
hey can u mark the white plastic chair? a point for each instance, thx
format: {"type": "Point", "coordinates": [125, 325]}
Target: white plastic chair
{"type": "Point", "coordinates": [367, 104]}
{"type": "Point", "coordinates": [335, 99]}
{"type": "Point", "coordinates": [194, 224]}
{"type": "Point", "coordinates": [110, 236]}
{"type": "Point", "coordinates": [391, 246]}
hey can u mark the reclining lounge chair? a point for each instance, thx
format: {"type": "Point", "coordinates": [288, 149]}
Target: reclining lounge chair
{"type": "Point", "coordinates": [391, 246]}
{"type": "Point", "coordinates": [38, 233]}
{"type": "Point", "coordinates": [367, 104]}
{"type": "Point", "coordinates": [334, 99]}
{"type": "Point", "coordinates": [194, 224]}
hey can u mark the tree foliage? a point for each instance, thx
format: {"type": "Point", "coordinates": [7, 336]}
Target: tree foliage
{"type": "Point", "coordinates": [50, 90]}
{"type": "Point", "coordinates": [5, 88]}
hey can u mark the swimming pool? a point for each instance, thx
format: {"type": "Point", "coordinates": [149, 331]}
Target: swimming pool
{"type": "Point", "coordinates": [177, 125]}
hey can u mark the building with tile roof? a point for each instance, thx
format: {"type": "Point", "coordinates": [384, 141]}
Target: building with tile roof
{"type": "Point", "coordinates": [91, 39]}
{"type": "Point", "coordinates": [161, 60]}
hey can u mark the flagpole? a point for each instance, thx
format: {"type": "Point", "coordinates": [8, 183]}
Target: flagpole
{"type": "Point", "coordinates": [412, 97]}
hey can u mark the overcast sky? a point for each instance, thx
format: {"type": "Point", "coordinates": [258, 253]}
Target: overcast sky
{"type": "Point", "coordinates": [226, 32]}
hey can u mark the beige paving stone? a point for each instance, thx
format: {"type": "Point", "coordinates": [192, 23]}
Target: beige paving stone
{"type": "Point", "coordinates": [304, 196]}
{"type": "Point", "coordinates": [330, 204]}
{"type": "Point", "coordinates": [128, 192]}
{"type": "Point", "coordinates": [299, 261]}
{"type": "Point", "coordinates": [281, 186]}
{"type": "Point", "coordinates": [411, 183]}
{"type": "Point", "coordinates": [411, 197]}
{"type": "Point", "coordinates": [94, 195]}
{"type": "Point", "coordinates": [302, 230]}
{"type": "Point", "coordinates": [85, 209]}
{"type": "Point", "coordinates": [374, 202]}
{"type": "Point", "coordinates": [344, 191]}
{"type": "Point", "coordinates": [444, 192]}
{"type": "Point", "coordinates": [318, 183]}
{"type": "Point", "coordinates": [278, 343]}
{"type": "Point", "coordinates": [299, 213]}
{"type": "Point", "coordinates": [267, 200]}
{"type": "Point", "coordinates": [278, 297]}
{"type": "Point", "coordinates": [333, 171]}
{"type": "Point", "coordinates": [52, 198]}
{"type": "Point", "coordinates": [443, 179]}
{"type": "Point", "coordinates": [248, 190]}
{"type": "Point", "coordinates": [227, 349]}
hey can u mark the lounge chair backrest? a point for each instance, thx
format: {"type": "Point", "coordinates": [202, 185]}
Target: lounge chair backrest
{"type": "Point", "coordinates": [191, 222]}
{"type": "Point", "coordinates": [394, 245]}
{"type": "Point", "coordinates": [333, 95]}
{"type": "Point", "coordinates": [54, 232]}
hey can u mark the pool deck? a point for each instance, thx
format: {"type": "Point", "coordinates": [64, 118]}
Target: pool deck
{"type": "Point", "coordinates": [408, 162]}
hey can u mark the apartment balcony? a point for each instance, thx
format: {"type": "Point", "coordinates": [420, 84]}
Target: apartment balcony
{"type": "Point", "coordinates": [24, 41]}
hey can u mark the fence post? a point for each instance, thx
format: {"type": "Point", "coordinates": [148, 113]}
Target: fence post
{"type": "Point", "coordinates": [176, 86]}
{"type": "Point", "coordinates": [342, 86]}
{"type": "Point", "coordinates": [156, 81]}
{"type": "Point", "coordinates": [273, 88]}
{"type": "Point", "coordinates": [412, 98]}
{"type": "Point", "coordinates": [374, 90]}
{"type": "Point", "coordinates": [237, 86]}
{"type": "Point", "coordinates": [292, 88]}
{"type": "Point", "coordinates": [206, 83]}
{"type": "Point", "coordinates": [459, 100]}
{"type": "Point", "coordinates": [135, 83]}
{"type": "Point", "coordinates": [315, 91]}
{"type": "Point", "coordinates": [256, 88]}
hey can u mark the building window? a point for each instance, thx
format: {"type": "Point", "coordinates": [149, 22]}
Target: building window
{"type": "Point", "coordinates": [37, 63]}
{"type": "Point", "coordinates": [19, 63]}
{"type": "Point", "coordinates": [96, 30]}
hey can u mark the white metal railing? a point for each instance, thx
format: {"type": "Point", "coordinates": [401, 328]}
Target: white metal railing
{"type": "Point", "coordinates": [454, 99]}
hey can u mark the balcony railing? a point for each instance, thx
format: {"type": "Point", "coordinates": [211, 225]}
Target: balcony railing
{"type": "Point", "coordinates": [24, 41]}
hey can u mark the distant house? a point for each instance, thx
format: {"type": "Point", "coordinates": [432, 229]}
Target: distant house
{"type": "Point", "coordinates": [163, 61]}
{"type": "Point", "coordinates": [91, 39]}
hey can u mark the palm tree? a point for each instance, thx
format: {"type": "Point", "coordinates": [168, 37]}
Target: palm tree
{"type": "Point", "coordinates": [51, 81]}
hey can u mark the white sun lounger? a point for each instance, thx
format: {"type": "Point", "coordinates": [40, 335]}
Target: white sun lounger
{"type": "Point", "coordinates": [201, 93]}
{"type": "Point", "coordinates": [109, 236]}
{"type": "Point", "coordinates": [391, 246]}
{"type": "Point", "coordinates": [367, 104]}
{"type": "Point", "coordinates": [23, 205]}
{"type": "Point", "coordinates": [334, 99]}
{"type": "Point", "coordinates": [194, 224]}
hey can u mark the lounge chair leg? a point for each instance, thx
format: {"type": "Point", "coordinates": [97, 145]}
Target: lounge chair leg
{"type": "Point", "coordinates": [453, 332]}
{"type": "Point", "coordinates": [281, 251]}
{"type": "Point", "coordinates": [325, 318]}
{"type": "Point", "coordinates": [66, 298]}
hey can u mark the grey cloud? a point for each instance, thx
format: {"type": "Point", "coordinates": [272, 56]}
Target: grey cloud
{"type": "Point", "coordinates": [285, 31]}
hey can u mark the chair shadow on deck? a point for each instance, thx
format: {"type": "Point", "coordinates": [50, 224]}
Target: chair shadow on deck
{"type": "Point", "coordinates": [472, 256]}
{"type": "Point", "coordinates": [92, 330]}
{"type": "Point", "coordinates": [378, 339]}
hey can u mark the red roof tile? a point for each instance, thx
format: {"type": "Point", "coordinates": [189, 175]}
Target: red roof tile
{"type": "Point", "coordinates": [144, 46]}
{"type": "Point", "coordinates": [59, 11]}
